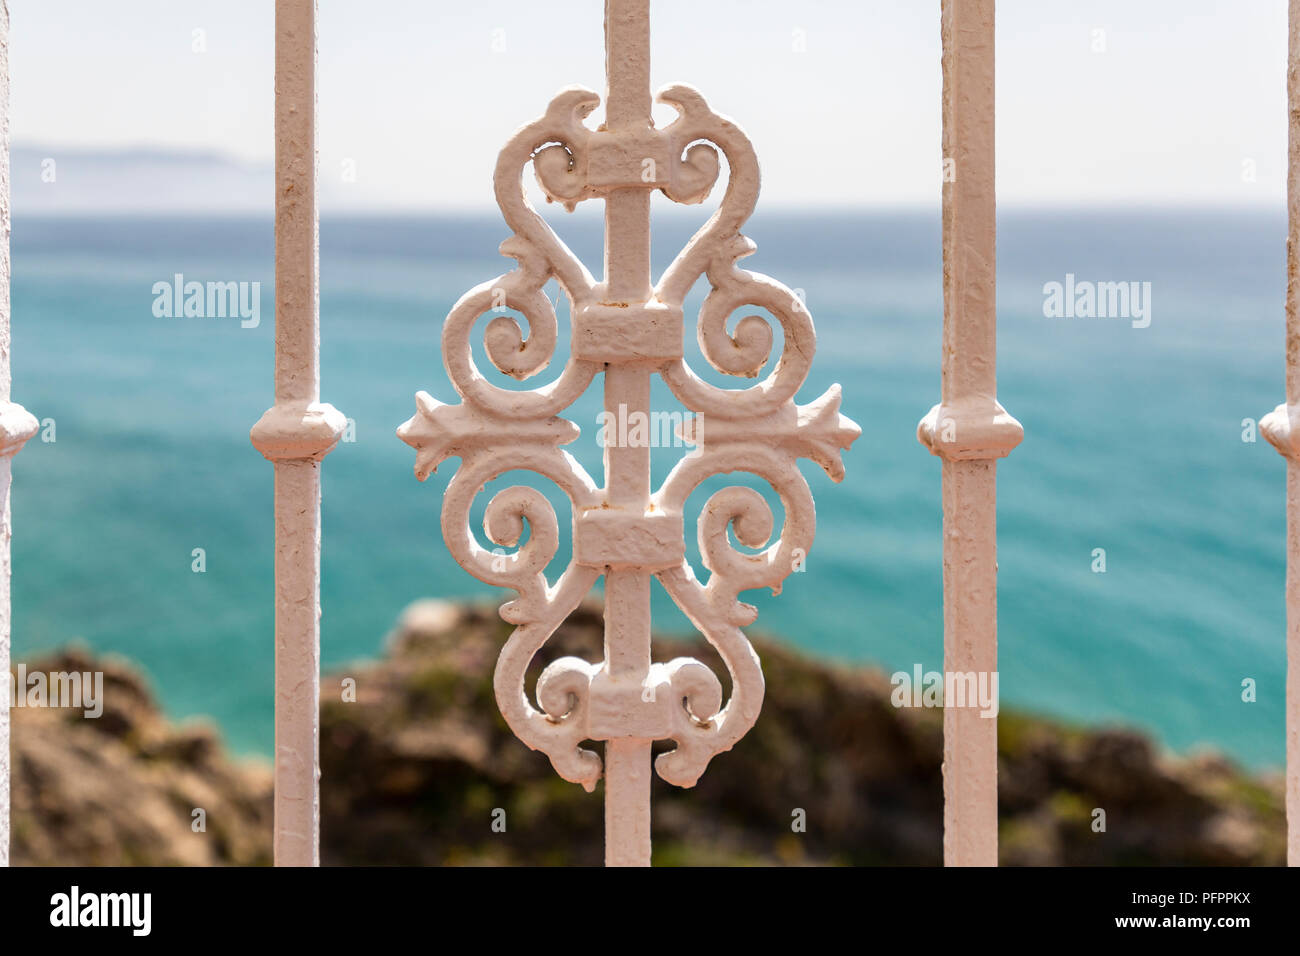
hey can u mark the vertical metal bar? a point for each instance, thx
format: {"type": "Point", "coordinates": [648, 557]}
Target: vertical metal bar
{"type": "Point", "coordinates": [17, 425]}
{"type": "Point", "coordinates": [970, 622]}
{"type": "Point", "coordinates": [969, 429]}
{"type": "Point", "coordinates": [1293, 650]}
{"type": "Point", "coordinates": [5, 470]}
{"type": "Point", "coordinates": [295, 434]}
{"type": "Point", "coordinates": [969, 203]}
{"type": "Point", "coordinates": [1293, 469]}
{"type": "Point", "coordinates": [1279, 426]}
{"type": "Point", "coordinates": [970, 644]}
{"type": "Point", "coordinates": [629, 330]}
{"type": "Point", "coordinates": [627, 469]}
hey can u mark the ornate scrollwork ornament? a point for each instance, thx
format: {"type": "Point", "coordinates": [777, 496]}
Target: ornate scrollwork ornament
{"type": "Point", "coordinates": [758, 429]}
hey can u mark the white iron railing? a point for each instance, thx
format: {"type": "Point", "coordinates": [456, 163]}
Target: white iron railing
{"type": "Point", "coordinates": [17, 425]}
{"type": "Point", "coordinates": [1283, 430]}
{"type": "Point", "coordinates": [296, 433]}
{"type": "Point", "coordinates": [969, 429]}
{"type": "Point", "coordinates": [628, 329]}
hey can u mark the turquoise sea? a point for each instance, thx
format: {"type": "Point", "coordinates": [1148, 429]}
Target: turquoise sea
{"type": "Point", "coordinates": [1134, 443]}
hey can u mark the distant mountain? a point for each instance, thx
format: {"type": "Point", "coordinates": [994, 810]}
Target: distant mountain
{"type": "Point", "coordinates": [48, 180]}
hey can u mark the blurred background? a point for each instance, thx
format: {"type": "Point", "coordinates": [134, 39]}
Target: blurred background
{"type": "Point", "coordinates": [1136, 143]}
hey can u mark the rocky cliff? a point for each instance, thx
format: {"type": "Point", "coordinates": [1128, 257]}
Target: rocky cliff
{"type": "Point", "coordinates": [419, 767]}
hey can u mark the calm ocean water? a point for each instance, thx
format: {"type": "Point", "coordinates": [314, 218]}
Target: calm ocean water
{"type": "Point", "coordinates": [1134, 444]}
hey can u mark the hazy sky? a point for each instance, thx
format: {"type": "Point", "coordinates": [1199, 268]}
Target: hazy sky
{"type": "Point", "coordinates": [1098, 100]}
